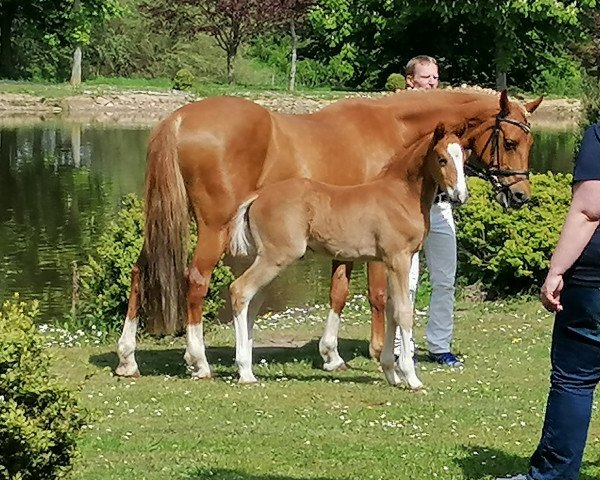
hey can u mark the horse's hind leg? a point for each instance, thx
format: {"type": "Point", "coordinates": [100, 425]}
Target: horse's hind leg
{"type": "Point", "coordinates": [126, 345]}
{"type": "Point", "coordinates": [377, 298]}
{"type": "Point", "coordinates": [338, 294]}
{"type": "Point", "coordinates": [242, 291]}
{"type": "Point", "coordinates": [210, 247]}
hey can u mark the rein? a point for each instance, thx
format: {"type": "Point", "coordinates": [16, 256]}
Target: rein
{"type": "Point", "coordinates": [495, 171]}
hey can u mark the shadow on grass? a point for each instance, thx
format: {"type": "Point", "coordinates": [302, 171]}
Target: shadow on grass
{"type": "Point", "coordinates": [226, 474]}
{"type": "Point", "coordinates": [481, 462]}
{"type": "Point", "coordinates": [169, 361]}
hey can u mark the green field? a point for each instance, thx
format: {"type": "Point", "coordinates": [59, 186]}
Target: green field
{"type": "Point", "coordinates": [302, 423]}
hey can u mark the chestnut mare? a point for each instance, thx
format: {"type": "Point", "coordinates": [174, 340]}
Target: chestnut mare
{"type": "Point", "coordinates": [208, 156]}
{"type": "Point", "coordinates": [386, 219]}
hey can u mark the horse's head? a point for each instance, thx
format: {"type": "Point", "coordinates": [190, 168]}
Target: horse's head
{"type": "Point", "coordinates": [502, 144]}
{"type": "Point", "coordinates": [445, 162]}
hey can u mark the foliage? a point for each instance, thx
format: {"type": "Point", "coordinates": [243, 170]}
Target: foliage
{"type": "Point", "coordinates": [395, 82]}
{"type": "Point", "coordinates": [507, 251]}
{"type": "Point", "coordinates": [39, 419]}
{"type": "Point", "coordinates": [184, 79]}
{"type": "Point", "coordinates": [105, 280]}
{"type": "Point", "coordinates": [591, 101]}
{"type": "Point", "coordinates": [514, 25]}
{"type": "Point", "coordinates": [560, 75]}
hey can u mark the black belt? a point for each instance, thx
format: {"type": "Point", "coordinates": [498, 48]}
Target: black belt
{"type": "Point", "coordinates": [441, 197]}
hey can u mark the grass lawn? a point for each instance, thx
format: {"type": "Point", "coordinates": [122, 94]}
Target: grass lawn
{"type": "Point", "coordinates": [104, 85]}
{"type": "Point", "coordinates": [299, 422]}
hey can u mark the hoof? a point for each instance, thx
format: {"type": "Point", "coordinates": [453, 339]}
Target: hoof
{"type": "Point", "coordinates": [201, 376]}
{"type": "Point", "coordinates": [335, 366]}
{"type": "Point", "coordinates": [419, 391]}
{"type": "Point", "coordinates": [248, 381]}
{"type": "Point", "coordinates": [374, 352]}
{"type": "Point", "coordinates": [127, 372]}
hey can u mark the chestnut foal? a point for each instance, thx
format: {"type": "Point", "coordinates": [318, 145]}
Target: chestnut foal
{"type": "Point", "coordinates": [386, 219]}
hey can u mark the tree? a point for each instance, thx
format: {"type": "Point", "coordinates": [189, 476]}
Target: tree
{"type": "Point", "coordinates": [81, 18]}
{"type": "Point", "coordinates": [295, 12]}
{"type": "Point", "coordinates": [35, 15]}
{"type": "Point", "coordinates": [55, 22]}
{"type": "Point", "coordinates": [232, 22]}
{"type": "Point", "coordinates": [512, 24]}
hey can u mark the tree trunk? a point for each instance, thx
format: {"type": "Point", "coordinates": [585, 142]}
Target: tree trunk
{"type": "Point", "coordinates": [7, 15]}
{"type": "Point", "coordinates": [76, 69]}
{"type": "Point", "coordinates": [502, 61]}
{"type": "Point", "coordinates": [230, 58]}
{"type": "Point", "coordinates": [292, 82]}
{"type": "Point", "coordinates": [500, 79]}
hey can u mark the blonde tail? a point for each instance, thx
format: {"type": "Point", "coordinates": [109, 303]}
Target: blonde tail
{"type": "Point", "coordinates": [241, 242]}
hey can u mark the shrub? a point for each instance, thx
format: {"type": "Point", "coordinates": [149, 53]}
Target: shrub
{"type": "Point", "coordinates": [395, 82]}
{"type": "Point", "coordinates": [507, 251]}
{"type": "Point", "coordinates": [561, 75]}
{"type": "Point", "coordinates": [105, 280]}
{"type": "Point", "coordinates": [184, 79]}
{"type": "Point", "coordinates": [39, 419]}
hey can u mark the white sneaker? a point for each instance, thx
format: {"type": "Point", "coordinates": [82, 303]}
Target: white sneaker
{"type": "Point", "coordinates": [516, 477]}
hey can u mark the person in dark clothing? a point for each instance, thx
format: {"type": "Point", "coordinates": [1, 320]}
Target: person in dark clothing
{"type": "Point", "coordinates": [572, 290]}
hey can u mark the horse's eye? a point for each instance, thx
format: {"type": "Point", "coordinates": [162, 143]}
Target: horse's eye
{"type": "Point", "coordinates": [443, 162]}
{"type": "Point", "coordinates": [510, 144]}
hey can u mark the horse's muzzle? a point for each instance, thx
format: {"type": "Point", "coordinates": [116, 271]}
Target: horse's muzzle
{"type": "Point", "coordinates": [510, 198]}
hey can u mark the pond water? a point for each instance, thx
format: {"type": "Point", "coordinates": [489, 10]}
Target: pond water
{"type": "Point", "coordinates": [59, 182]}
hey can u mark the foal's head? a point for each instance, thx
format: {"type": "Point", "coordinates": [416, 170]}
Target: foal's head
{"type": "Point", "coordinates": [445, 162]}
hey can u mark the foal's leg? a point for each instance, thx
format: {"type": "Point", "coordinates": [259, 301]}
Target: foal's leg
{"type": "Point", "coordinates": [338, 294]}
{"type": "Point", "coordinates": [210, 247]}
{"type": "Point", "coordinates": [126, 346]}
{"type": "Point", "coordinates": [242, 291]}
{"type": "Point", "coordinates": [399, 313]}
{"type": "Point", "coordinates": [377, 297]}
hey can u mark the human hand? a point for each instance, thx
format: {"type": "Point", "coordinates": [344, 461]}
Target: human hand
{"type": "Point", "coordinates": [550, 292]}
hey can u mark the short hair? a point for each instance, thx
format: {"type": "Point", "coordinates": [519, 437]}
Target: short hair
{"type": "Point", "coordinates": [413, 62]}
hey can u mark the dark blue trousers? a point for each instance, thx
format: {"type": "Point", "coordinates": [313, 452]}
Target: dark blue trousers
{"type": "Point", "coordinates": [575, 373]}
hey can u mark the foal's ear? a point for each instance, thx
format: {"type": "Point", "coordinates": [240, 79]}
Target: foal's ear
{"type": "Point", "coordinates": [504, 103]}
{"type": "Point", "coordinates": [439, 132]}
{"type": "Point", "coordinates": [533, 105]}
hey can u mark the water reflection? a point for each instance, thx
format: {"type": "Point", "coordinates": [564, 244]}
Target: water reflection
{"type": "Point", "coordinates": [60, 182]}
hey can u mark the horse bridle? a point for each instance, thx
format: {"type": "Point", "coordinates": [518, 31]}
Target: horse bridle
{"type": "Point", "coordinates": [494, 171]}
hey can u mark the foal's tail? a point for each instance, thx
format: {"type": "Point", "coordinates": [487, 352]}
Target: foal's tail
{"type": "Point", "coordinates": [166, 233]}
{"type": "Point", "coordinates": [241, 241]}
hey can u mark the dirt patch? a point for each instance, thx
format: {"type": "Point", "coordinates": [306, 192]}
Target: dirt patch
{"type": "Point", "coordinates": [145, 108]}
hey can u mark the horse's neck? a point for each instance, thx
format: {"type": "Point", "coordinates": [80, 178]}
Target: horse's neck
{"type": "Point", "coordinates": [425, 109]}
{"type": "Point", "coordinates": [411, 172]}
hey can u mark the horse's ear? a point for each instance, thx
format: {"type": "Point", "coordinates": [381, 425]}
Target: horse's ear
{"type": "Point", "coordinates": [439, 132]}
{"type": "Point", "coordinates": [504, 103]}
{"type": "Point", "coordinates": [533, 105]}
{"type": "Point", "coordinates": [460, 130]}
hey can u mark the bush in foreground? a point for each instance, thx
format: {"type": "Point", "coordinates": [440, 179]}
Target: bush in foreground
{"type": "Point", "coordinates": [105, 280]}
{"type": "Point", "coordinates": [507, 251]}
{"type": "Point", "coordinates": [39, 419]}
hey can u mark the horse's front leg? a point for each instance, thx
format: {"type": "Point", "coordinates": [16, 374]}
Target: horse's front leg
{"type": "Point", "coordinates": [338, 294]}
{"type": "Point", "coordinates": [377, 298]}
{"type": "Point", "coordinates": [399, 313]}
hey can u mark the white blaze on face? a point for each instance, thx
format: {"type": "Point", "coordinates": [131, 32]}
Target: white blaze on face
{"type": "Point", "coordinates": [460, 191]}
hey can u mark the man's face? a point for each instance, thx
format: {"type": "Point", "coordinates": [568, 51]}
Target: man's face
{"type": "Point", "coordinates": [425, 76]}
